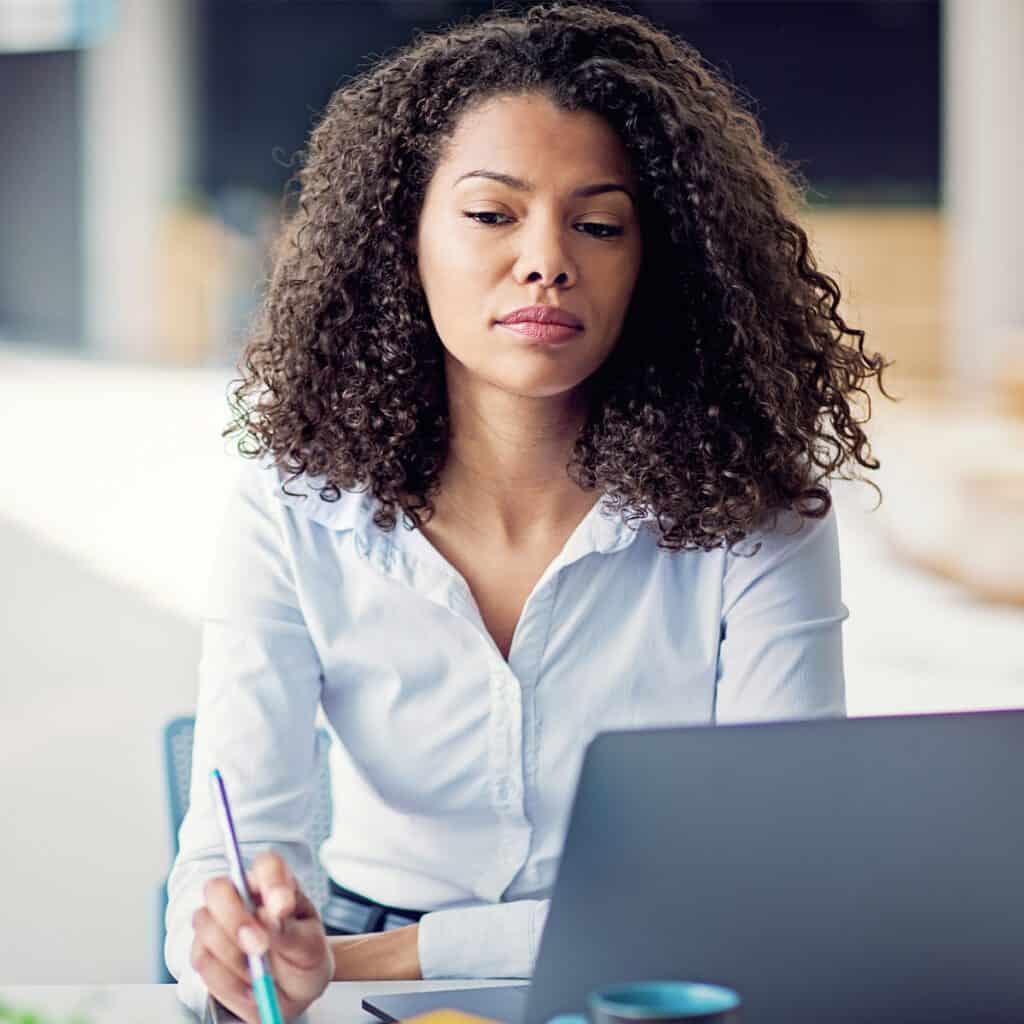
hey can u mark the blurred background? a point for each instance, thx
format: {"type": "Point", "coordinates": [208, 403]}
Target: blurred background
{"type": "Point", "coordinates": [145, 147]}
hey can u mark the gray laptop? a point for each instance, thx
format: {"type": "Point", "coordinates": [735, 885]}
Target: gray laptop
{"type": "Point", "coordinates": [865, 869]}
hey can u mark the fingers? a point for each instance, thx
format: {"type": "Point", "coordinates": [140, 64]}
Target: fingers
{"type": "Point", "coordinates": [226, 908]}
{"type": "Point", "coordinates": [279, 892]}
{"type": "Point", "coordinates": [209, 938]}
{"type": "Point", "coordinates": [223, 982]}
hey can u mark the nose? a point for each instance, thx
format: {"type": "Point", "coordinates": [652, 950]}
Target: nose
{"type": "Point", "coordinates": [545, 258]}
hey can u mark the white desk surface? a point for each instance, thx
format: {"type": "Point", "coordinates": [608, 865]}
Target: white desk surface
{"type": "Point", "coordinates": [158, 1004]}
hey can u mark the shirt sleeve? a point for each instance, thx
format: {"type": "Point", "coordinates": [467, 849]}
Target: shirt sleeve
{"type": "Point", "coordinates": [495, 941]}
{"type": "Point", "coordinates": [781, 650]}
{"type": "Point", "coordinates": [259, 688]}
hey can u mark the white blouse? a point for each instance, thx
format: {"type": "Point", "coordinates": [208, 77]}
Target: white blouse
{"type": "Point", "coordinates": [453, 771]}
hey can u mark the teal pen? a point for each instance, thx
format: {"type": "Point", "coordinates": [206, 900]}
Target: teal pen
{"type": "Point", "coordinates": [262, 980]}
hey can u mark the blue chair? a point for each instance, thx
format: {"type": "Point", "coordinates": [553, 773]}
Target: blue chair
{"type": "Point", "coordinates": [177, 742]}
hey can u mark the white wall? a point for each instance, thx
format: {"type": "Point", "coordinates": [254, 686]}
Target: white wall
{"type": "Point", "coordinates": [983, 154]}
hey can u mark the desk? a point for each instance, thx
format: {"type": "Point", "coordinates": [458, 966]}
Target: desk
{"type": "Point", "coordinates": [158, 1004]}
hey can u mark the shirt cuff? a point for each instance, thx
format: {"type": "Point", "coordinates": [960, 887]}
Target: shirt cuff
{"type": "Point", "coordinates": [192, 991]}
{"type": "Point", "coordinates": [177, 948]}
{"type": "Point", "coordinates": [498, 940]}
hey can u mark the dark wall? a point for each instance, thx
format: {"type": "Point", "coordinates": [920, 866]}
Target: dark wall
{"type": "Point", "coordinates": [849, 89]}
{"type": "Point", "coordinates": [40, 272]}
{"type": "Point", "coordinates": [269, 68]}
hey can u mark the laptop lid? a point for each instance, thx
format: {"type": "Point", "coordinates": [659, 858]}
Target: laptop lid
{"type": "Point", "coordinates": [865, 869]}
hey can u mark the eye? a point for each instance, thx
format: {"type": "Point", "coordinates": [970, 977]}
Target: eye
{"type": "Point", "coordinates": [606, 230]}
{"type": "Point", "coordinates": [602, 230]}
{"type": "Point", "coordinates": [473, 214]}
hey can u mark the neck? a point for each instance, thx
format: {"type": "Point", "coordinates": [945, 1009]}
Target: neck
{"type": "Point", "coordinates": [505, 478]}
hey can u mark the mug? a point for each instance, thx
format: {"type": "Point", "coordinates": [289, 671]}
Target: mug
{"type": "Point", "coordinates": [664, 1002]}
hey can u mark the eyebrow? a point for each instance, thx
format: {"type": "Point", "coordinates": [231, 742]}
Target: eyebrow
{"type": "Point", "coordinates": [584, 191]}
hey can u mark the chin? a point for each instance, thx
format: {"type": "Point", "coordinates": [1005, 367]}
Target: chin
{"type": "Point", "coordinates": [532, 377]}
{"type": "Point", "coordinates": [538, 386]}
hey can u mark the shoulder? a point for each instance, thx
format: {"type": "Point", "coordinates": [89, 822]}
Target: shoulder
{"type": "Point", "coordinates": [794, 553]}
{"type": "Point", "coordinates": [783, 535]}
{"type": "Point", "coordinates": [285, 496]}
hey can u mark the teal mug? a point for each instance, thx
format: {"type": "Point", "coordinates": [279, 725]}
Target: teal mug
{"type": "Point", "coordinates": [663, 1002]}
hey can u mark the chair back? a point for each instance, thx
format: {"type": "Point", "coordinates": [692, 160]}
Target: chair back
{"type": "Point", "coordinates": [178, 734]}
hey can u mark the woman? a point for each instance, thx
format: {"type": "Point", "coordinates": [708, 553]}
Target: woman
{"type": "Point", "coordinates": [543, 403]}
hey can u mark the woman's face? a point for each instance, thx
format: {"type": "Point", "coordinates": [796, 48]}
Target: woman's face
{"type": "Point", "coordinates": [562, 230]}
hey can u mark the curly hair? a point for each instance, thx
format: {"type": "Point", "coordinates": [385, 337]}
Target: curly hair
{"type": "Point", "coordinates": [726, 397]}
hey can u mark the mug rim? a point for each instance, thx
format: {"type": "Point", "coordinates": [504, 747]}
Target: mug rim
{"type": "Point", "coordinates": [730, 999]}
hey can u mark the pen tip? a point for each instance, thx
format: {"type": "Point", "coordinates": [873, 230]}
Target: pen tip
{"type": "Point", "coordinates": [215, 774]}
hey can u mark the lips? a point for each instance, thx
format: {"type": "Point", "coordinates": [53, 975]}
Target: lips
{"type": "Point", "coordinates": [547, 333]}
{"type": "Point", "coordinates": [542, 315]}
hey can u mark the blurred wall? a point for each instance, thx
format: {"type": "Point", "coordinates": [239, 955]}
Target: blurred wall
{"type": "Point", "coordinates": [137, 114]}
{"type": "Point", "coordinates": [890, 266]}
{"type": "Point", "coordinates": [40, 285]}
{"type": "Point", "coordinates": [983, 198]}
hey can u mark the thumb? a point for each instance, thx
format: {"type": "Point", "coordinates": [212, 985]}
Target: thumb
{"type": "Point", "coordinates": [275, 889]}
{"type": "Point", "coordinates": [294, 925]}
{"type": "Point", "coordinates": [284, 903]}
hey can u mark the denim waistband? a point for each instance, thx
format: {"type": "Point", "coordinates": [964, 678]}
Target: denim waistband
{"type": "Point", "coordinates": [350, 912]}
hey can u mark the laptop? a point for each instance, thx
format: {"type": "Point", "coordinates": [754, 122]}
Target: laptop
{"type": "Point", "coordinates": [841, 870]}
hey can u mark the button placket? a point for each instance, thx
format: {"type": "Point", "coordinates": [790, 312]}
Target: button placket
{"type": "Point", "coordinates": [514, 684]}
{"type": "Point", "coordinates": [507, 790]}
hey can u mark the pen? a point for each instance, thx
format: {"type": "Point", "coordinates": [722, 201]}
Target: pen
{"type": "Point", "coordinates": [262, 980]}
